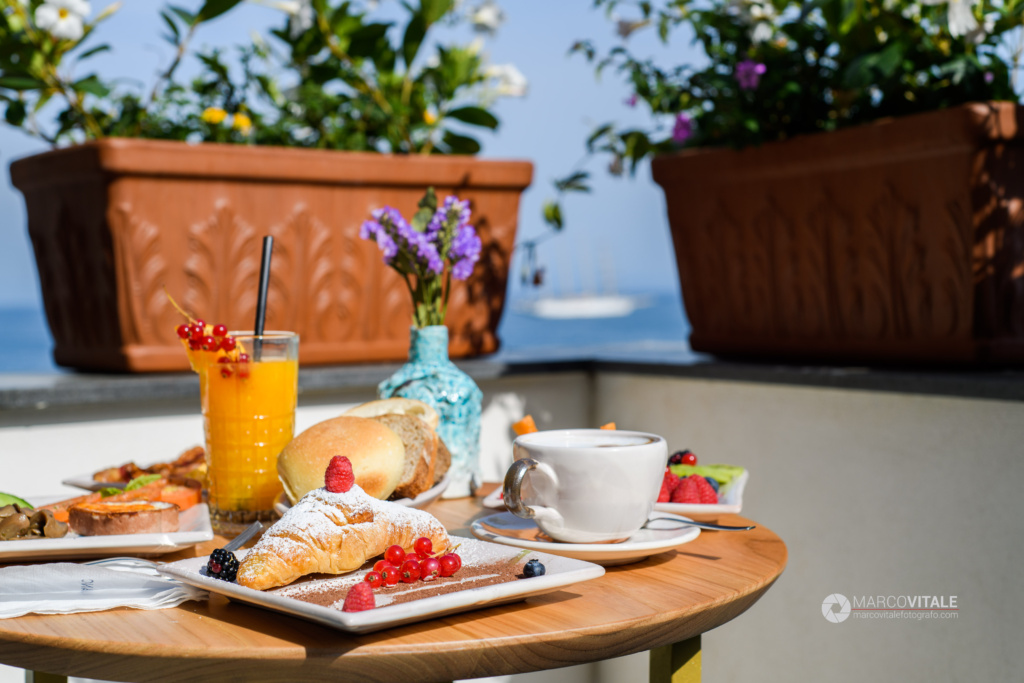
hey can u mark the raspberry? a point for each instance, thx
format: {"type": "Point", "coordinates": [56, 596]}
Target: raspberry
{"type": "Point", "coordinates": [339, 477]}
{"type": "Point", "coordinates": [706, 491]}
{"type": "Point", "coordinates": [687, 491]}
{"type": "Point", "coordinates": [359, 598]}
{"type": "Point", "coordinates": [668, 484]}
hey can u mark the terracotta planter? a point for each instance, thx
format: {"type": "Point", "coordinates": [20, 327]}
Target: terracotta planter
{"type": "Point", "coordinates": [901, 240]}
{"type": "Point", "coordinates": [113, 223]}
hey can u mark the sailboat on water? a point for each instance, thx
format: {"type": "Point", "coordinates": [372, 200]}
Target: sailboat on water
{"type": "Point", "coordinates": [585, 302]}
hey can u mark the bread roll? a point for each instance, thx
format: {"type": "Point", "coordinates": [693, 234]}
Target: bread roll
{"type": "Point", "coordinates": [397, 406]}
{"type": "Point", "coordinates": [420, 453]}
{"type": "Point", "coordinates": [444, 461]}
{"type": "Point", "coordinates": [376, 452]}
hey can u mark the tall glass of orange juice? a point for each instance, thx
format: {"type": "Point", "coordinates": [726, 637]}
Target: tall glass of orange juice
{"type": "Point", "coordinates": [249, 417]}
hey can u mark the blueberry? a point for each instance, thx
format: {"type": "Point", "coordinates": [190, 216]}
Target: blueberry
{"type": "Point", "coordinates": [714, 484]}
{"type": "Point", "coordinates": [533, 568]}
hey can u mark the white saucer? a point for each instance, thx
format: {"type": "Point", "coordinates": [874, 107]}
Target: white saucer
{"type": "Point", "coordinates": [506, 528]}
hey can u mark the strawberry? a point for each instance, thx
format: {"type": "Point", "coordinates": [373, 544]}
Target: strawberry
{"type": "Point", "coordinates": [359, 598]}
{"type": "Point", "coordinates": [668, 485]}
{"type": "Point", "coordinates": [686, 492]}
{"type": "Point", "coordinates": [706, 490]}
{"type": "Point", "coordinates": [339, 477]}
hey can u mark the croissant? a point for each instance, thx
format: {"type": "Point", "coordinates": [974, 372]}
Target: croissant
{"type": "Point", "coordinates": [334, 533]}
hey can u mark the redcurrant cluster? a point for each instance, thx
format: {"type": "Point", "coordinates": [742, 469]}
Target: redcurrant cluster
{"type": "Point", "coordinates": [420, 565]}
{"type": "Point", "coordinates": [199, 336]}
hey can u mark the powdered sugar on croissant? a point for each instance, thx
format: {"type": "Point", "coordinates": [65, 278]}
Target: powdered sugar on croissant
{"type": "Point", "coordinates": [334, 533]}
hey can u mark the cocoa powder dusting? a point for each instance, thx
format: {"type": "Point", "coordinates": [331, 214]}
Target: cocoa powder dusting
{"type": "Point", "coordinates": [331, 592]}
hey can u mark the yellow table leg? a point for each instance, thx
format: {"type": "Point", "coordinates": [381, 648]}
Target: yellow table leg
{"type": "Point", "coordinates": [676, 663]}
{"type": "Point", "coordinates": [43, 677]}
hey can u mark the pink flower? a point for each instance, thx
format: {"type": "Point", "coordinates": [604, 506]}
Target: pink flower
{"type": "Point", "coordinates": [683, 128]}
{"type": "Point", "coordinates": [748, 74]}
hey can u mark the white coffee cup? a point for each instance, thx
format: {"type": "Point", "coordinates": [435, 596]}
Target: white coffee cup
{"type": "Point", "coordinates": [586, 485]}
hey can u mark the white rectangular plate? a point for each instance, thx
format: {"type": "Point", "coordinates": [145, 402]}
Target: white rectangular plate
{"type": "Point", "coordinates": [560, 571]}
{"type": "Point", "coordinates": [193, 524]}
{"type": "Point", "coordinates": [730, 501]}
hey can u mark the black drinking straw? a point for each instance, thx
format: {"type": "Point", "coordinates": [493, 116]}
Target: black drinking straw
{"type": "Point", "coordinates": [261, 302]}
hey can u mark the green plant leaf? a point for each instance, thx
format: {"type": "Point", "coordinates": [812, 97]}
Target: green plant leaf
{"type": "Point", "coordinates": [475, 116]}
{"type": "Point", "coordinates": [92, 85]}
{"type": "Point", "coordinates": [460, 144]}
{"type": "Point", "coordinates": [171, 25]}
{"type": "Point", "coordinates": [553, 214]}
{"type": "Point", "coordinates": [428, 200]}
{"type": "Point", "coordinates": [183, 14]}
{"type": "Point", "coordinates": [365, 40]}
{"type": "Point", "coordinates": [575, 182]}
{"type": "Point", "coordinates": [434, 10]}
{"type": "Point", "coordinates": [214, 8]}
{"type": "Point", "coordinates": [597, 135]}
{"type": "Point", "coordinates": [15, 113]}
{"type": "Point", "coordinates": [94, 51]}
{"type": "Point", "coordinates": [414, 34]}
{"type": "Point", "coordinates": [21, 82]}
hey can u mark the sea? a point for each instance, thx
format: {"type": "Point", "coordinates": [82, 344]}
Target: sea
{"type": "Point", "coordinates": [655, 331]}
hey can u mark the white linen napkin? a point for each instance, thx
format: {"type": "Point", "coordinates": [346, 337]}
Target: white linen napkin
{"type": "Point", "coordinates": [65, 588]}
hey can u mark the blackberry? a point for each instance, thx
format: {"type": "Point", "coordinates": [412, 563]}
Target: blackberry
{"type": "Point", "coordinates": [222, 565]}
{"type": "Point", "coordinates": [677, 458]}
{"type": "Point", "coordinates": [533, 568]}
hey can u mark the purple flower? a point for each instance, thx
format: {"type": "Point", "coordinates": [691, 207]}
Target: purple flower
{"type": "Point", "coordinates": [748, 74]}
{"type": "Point", "coordinates": [463, 269]}
{"type": "Point", "coordinates": [683, 128]}
{"type": "Point", "coordinates": [369, 229]}
{"type": "Point", "coordinates": [989, 77]}
{"type": "Point", "coordinates": [466, 244]}
{"type": "Point", "coordinates": [451, 206]}
{"type": "Point", "coordinates": [387, 245]}
{"type": "Point", "coordinates": [632, 100]}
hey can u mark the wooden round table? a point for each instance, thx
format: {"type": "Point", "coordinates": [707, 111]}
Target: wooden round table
{"type": "Point", "coordinates": [662, 604]}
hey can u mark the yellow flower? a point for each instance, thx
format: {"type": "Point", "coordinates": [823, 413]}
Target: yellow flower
{"type": "Point", "coordinates": [214, 115]}
{"type": "Point", "coordinates": [242, 123]}
{"type": "Point", "coordinates": [429, 117]}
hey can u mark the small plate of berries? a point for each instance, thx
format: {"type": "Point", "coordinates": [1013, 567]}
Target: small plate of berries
{"type": "Point", "coordinates": [692, 489]}
{"type": "Point", "coordinates": [390, 591]}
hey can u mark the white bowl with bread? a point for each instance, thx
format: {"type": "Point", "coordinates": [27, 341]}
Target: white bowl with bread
{"type": "Point", "coordinates": [393, 446]}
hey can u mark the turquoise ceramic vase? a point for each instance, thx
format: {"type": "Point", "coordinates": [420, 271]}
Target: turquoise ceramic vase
{"type": "Point", "coordinates": [429, 376]}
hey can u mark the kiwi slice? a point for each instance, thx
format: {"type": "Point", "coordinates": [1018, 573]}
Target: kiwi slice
{"type": "Point", "coordinates": [723, 474]}
{"type": "Point", "coordinates": [8, 499]}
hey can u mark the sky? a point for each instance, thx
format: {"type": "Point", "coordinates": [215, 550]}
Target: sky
{"type": "Point", "coordinates": [616, 238]}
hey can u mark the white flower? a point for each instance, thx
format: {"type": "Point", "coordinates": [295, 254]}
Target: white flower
{"type": "Point", "coordinates": [759, 16]}
{"type": "Point", "coordinates": [761, 33]}
{"type": "Point", "coordinates": [960, 14]}
{"type": "Point", "coordinates": [487, 17]}
{"type": "Point", "coordinates": [63, 19]}
{"type": "Point", "coordinates": [510, 81]}
{"type": "Point", "coordinates": [300, 13]}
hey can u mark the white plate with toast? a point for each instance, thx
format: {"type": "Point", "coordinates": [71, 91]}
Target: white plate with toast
{"type": "Point", "coordinates": [193, 527]}
{"type": "Point", "coordinates": [419, 502]}
{"type": "Point", "coordinates": [560, 571]}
